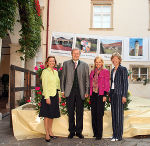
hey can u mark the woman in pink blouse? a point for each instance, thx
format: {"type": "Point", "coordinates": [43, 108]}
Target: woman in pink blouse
{"type": "Point", "coordinates": [99, 86]}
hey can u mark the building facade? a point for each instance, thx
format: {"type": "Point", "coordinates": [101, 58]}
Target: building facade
{"type": "Point", "coordinates": [125, 20]}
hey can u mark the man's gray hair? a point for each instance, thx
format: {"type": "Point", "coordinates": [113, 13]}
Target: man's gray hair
{"type": "Point", "coordinates": [76, 49]}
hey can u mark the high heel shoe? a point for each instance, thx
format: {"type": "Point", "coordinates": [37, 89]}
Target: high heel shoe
{"type": "Point", "coordinates": [53, 137]}
{"type": "Point", "coordinates": [47, 140]}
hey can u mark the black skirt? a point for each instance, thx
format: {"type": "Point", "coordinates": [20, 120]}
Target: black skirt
{"type": "Point", "coordinates": [50, 110]}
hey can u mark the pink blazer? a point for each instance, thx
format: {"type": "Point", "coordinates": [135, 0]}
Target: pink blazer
{"type": "Point", "coordinates": [103, 81]}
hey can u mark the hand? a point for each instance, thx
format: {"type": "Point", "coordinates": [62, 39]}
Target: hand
{"type": "Point", "coordinates": [104, 99]}
{"type": "Point", "coordinates": [59, 99]}
{"type": "Point", "coordinates": [63, 95]}
{"type": "Point", "coordinates": [124, 100]}
{"type": "Point", "coordinates": [86, 95]}
{"type": "Point", "coordinates": [48, 101]}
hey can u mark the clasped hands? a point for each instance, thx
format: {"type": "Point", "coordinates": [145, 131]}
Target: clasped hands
{"type": "Point", "coordinates": [63, 95]}
{"type": "Point", "coordinates": [86, 96]}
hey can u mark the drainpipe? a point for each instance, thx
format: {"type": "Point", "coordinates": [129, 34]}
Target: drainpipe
{"type": "Point", "coordinates": [0, 49]}
{"type": "Point", "coordinates": [47, 29]}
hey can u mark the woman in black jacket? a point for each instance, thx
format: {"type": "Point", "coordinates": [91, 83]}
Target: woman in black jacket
{"type": "Point", "coordinates": [118, 94]}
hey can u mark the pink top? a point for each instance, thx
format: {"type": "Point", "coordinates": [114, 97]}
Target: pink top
{"type": "Point", "coordinates": [103, 81]}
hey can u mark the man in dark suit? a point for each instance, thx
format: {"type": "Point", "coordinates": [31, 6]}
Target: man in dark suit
{"type": "Point", "coordinates": [75, 87]}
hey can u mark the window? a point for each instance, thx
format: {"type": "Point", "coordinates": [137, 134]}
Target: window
{"type": "Point", "coordinates": [139, 73]}
{"type": "Point", "coordinates": [101, 14]}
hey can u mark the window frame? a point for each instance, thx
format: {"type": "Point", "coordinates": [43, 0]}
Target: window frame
{"type": "Point", "coordinates": [139, 73]}
{"type": "Point", "coordinates": [101, 3]}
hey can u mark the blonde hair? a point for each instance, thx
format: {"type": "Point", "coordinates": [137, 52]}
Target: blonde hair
{"type": "Point", "coordinates": [47, 59]}
{"type": "Point", "coordinates": [96, 58]}
{"type": "Point", "coordinates": [116, 54]}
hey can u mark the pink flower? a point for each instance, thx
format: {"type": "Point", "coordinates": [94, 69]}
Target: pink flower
{"type": "Point", "coordinates": [37, 88]}
{"type": "Point", "coordinates": [55, 68]}
{"type": "Point", "coordinates": [36, 68]}
{"type": "Point", "coordinates": [89, 102]}
{"type": "Point", "coordinates": [61, 68]}
{"type": "Point", "coordinates": [42, 67]}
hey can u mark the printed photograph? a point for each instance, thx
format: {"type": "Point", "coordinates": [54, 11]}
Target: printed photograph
{"type": "Point", "coordinates": [108, 46]}
{"type": "Point", "coordinates": [86, 45]}
{"type": "Point", "coordinates": [62, 43]}
{"type": "Point", "coordinates": [135, 47]}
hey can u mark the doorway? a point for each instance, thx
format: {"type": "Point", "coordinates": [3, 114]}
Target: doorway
{"type": "Point", "coordinates": [4, 74]}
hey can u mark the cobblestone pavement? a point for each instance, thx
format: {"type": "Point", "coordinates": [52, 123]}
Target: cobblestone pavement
{"type": "Point", "coordinates": [7, 139]}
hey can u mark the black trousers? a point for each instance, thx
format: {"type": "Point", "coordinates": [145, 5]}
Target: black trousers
{"type": "Point", "coordinates": [97, 113]}
{"type": "Point", "coordinates": [75, 104]}
{"type": "Point", "coordinates": [117, 111]}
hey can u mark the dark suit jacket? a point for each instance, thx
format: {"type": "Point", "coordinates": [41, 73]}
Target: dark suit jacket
{"type": "Point", "coordinates": [120, 81]}
{"type": "Point", "coordinates": [68, 78]}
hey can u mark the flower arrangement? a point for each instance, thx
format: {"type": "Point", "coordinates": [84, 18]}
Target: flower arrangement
{"type": "Point", "coordinates": [128, 101]}
{"type": "Point", "coordinates": [24, 100]}
{"type": "Point", "coordinates": [87, 104]}
{"type": "Point", "coordinates": [37, 98]}
{"type": "Point", "coordinates": [38, 90]}
{"type": "Point", "coordinates": [39, 70]}
{"type": "Point", "coordinates": [59, 69]}
{"type": "Point", "coordinates": [63, 107]}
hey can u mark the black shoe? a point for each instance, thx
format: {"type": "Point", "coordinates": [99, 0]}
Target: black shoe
{"type": "Point", "coordinates": [53, 137]}
{"type": "Point", "coordinates": [98, 138]}
{"type": "Point", "coordinates": [71, 135]}
{"type": "Point", "coordinates": [79, 135]}
{"type": "Point", "coordinates": [47, 140]}
{"type": "Point", "coordinates": [119, 139]}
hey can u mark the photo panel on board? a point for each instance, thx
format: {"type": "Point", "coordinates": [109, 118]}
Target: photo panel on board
{"type": "Point", "coordinates": [136, 49]}
{"type": "Point", "coordinates": [61, 44]}
{"type": "Point", "coordinates": [109, 45]}
{"type": "Point", "coordinates": [88, 45]}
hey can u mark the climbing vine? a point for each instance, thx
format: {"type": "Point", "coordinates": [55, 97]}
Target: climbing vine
{"type": "Point", "coordinates": [30, 19]}
{"type": "Point", "coordinates": [7, 16]}
{"type": "Point", "coordinates": [31, 27]}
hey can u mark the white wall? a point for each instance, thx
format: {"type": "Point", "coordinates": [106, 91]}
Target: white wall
{"type": "Point", "coordinates": [130, 19]}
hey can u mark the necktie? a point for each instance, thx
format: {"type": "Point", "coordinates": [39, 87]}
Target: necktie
{"type": "Point", "coordinates": [75, 65]}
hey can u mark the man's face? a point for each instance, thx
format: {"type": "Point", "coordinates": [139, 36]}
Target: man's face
{"type": "Point", "coordinates": [75, 55]}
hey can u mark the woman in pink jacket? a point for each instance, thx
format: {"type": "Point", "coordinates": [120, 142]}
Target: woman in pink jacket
{"type": "Point", "coordinates": [99, 86]}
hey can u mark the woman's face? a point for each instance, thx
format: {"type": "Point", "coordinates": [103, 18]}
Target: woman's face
{"type": "Point", "coordinates": [98, 63]}
{"type": "Point", "coordinates": [51, 62]}
{"type": "Point", "coordinates": [115, 61]}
